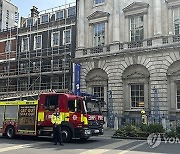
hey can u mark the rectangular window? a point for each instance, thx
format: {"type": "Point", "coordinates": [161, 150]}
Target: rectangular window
{"type": "Point", "coordinates": [23, 68]}
{"type": "Point", "coordinates": [37, 42]}
{"type": "Point", "coordinates": [137, 95]}
{"type": "Point", "coordinates": [60, 15]}
{"type": "Point", "coordinates": [67, 37]}
{"type": "Point", "coordinates": [55, 39]}
{"type": "Point", "coordinates": [51, 102]}
{"type": "Point", "coordinates": [45, 18]}
{"type": "Point", "coordinates": [99, 34]}
{"type": "Point", "coordinates": [99, 92]}
{"type": "Point", "coordinates": [176, 13]}
{"type": "Point", "coordinates": [136, 28]}
{"type": "Point", "coordinates": [178, 96]}
{"type": "Point", "coordinates": [99, 1]}
{"type": "Point", "coordinates": [36, 66]}
{"type": "Point", "coordinates": [71, 12]}
{"type": "Point", "coordinates": [8, 46]}
{"type": "Point", "coordinates": [29, 22]}
{"type": "Point", "coordinates": [25, 44]}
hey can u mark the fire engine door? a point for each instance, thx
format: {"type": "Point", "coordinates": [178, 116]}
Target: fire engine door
{"type": "Point", "coordinates": [75, 111]}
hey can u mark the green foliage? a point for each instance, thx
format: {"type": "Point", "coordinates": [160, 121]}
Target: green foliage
{"type": "Point", "coordinates": [143, 128]}
{"type": "Point", "coordinates": [178, 130]}
{"type": "Point", "coordinates": [127, 131]}
{"type": "Point", "coordinates": [140, 131]}
{"type": "Point", "coordinates": [171, 133]}
{"type": "Point", "coordinates": [155, 128]}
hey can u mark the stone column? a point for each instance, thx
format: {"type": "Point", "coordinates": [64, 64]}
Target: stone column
{"type": "Point", "coordinates": [116, 19]}
{"type": "Point", "coordinates": [157, 18]}
{"type": "Point", "coordinates": [145, 26]}
{"type": "Point", "coordinates": [126, 30]}
{"type": "Point", "coordinates": [81, 24]}
{"type": "Point", "coordinates": [170, 23]}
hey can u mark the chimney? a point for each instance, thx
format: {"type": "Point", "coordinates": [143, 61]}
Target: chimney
{"type": "Point", "coordinates": [34, 12]}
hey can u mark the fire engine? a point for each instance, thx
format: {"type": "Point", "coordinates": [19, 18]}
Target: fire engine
{"type": "Point", "coordinates": [81, 118]}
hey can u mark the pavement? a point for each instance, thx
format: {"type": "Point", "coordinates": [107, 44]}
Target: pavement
{"type": "Point", "coordinates": [108, 132]}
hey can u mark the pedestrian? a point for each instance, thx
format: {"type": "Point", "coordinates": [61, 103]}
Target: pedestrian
{"type": "Point", "coordinates": [56, 120]}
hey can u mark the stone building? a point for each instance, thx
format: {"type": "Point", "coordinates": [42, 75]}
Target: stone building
{"type": "Point", "coordinates": [132, 49]}
{"type": "Point", "coordinates": [8, 15]}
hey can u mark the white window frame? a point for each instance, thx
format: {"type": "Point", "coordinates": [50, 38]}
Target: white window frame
{"type": "Point", "coordinates": [130, 28]}
{"type": "Point", "coordinates": [42, 16]}
{"type": "Point", "coordinates": [22, 44]}
{"type": "Point", "coordinates": [174, 19]}
{"type": "Point", "coordinates": [52, 39]}
{"type": "Point", "coordinates": [35, 48]}
{"type": "Point", "coordinates": [136, 107]}
{"type": "Point", "coordinates": [63, 14]}
{"type": "Point", "coordinates": [96, 44]}
{"type": "Point", "coordinates": [64, 37]}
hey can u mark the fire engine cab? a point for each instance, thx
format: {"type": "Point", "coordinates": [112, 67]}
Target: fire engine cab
{"type": "Point", "coordinates": [81, 118]}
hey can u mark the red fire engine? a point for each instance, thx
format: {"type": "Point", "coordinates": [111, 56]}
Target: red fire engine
{"type": "Point", "coordinates": [81, 118]}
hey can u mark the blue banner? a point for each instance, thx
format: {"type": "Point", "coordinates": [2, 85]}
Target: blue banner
{"type": "Point", "coordinates": [77, 79]}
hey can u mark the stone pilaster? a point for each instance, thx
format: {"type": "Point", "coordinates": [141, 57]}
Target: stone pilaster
{"type": "Point", "coordinates": [116, 19]}
{"type": "Point", "coordinates": [157, 18]}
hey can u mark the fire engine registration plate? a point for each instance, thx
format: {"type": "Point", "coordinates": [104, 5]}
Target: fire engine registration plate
{"type": "Point", "coordinates": [96, 131]}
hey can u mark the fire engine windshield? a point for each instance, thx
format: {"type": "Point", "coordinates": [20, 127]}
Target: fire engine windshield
{"type": "Point", "coordinates": [93, 106]}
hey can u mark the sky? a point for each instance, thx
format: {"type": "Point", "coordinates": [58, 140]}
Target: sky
{"type": "Point", "coordinates": [24, 6]}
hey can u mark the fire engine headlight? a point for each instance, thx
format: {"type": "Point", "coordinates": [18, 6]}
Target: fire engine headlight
{"type": "Point", "coordinates": [87, 132]}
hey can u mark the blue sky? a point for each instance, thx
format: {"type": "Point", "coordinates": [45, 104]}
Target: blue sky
{"type": "Point", "coordinates": [24, 6]}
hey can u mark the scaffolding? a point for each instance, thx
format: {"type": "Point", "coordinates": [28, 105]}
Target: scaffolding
{"type": "Point", "coordinates": [34, 71]}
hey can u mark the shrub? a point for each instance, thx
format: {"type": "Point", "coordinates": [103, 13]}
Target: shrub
{"type": "Point", "coordinates": [143, 128]}
{"type": "Point", "coordinates": [178, 130]}
{"type": "Point", "coordinates": [155, 128]}
{"type": "Point", "coordinates": [127, 131]}
{"type": "Point", "coordinates": [171, 133]}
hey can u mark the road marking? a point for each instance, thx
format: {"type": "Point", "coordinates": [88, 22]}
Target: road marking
{"type": "Point", "coordinates": [108, 147]}
{"type": "Point", "coordinates": [15, 147]}
{"type": "Point", "coordinates": [21, 146]}
{"type": "Point", "coordinates": [132, 148]}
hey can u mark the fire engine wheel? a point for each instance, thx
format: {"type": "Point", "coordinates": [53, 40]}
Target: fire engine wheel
{"type": "Point", "coordinates": [66, 134]}
{"type": "Point", "coordinates": [10, 132]}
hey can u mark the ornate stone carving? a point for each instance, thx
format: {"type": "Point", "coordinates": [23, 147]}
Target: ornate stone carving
{"type": "Point", "coordinates": [136, 8]}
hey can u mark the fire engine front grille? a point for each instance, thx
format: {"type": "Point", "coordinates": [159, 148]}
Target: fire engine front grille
{"type": "Point", "coordinates": [95, 124]}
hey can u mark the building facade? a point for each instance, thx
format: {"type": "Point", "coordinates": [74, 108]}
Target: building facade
{"type": "Point", "coordinates": [8, 15]}
{"type": "Point", "coordinates": [45, 45]}
{"type": "Point", "coordinates": [133, 50]}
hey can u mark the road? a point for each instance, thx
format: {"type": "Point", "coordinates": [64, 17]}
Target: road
{"type": "Point", "coordinates": [95, 145]}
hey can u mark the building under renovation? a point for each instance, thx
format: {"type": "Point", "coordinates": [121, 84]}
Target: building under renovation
{"type": "Point", "coordinates": [37, 56]}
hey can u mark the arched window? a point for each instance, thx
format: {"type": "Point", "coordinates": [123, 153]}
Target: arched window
{"type": "Point", "coordinates": [136, 87]}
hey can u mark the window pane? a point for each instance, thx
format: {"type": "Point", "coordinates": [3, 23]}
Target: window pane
{"type": "Point", "coordinates": [137, 95]}
{"type": "Point", "coordinates": [99, 1]}
{"type": "Point", "coordinates": [99, 34]}
{"type": "Point", "coordinates": [176, 21]}
{"type": "Point", "coordinates": [72, 12]}
{"type": "Point", "coordinates": [59, 15]}
{"type": "Point", "coordinates": [136, 28]}
{"type": "Point", "coordinates": [99, 92]}
{"type": "Point", "coordinates": [178, 105]}
{"type": "Point", "coordinates": [29, 22]}
{"type": "Point", "coordinates": [44, 18]}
